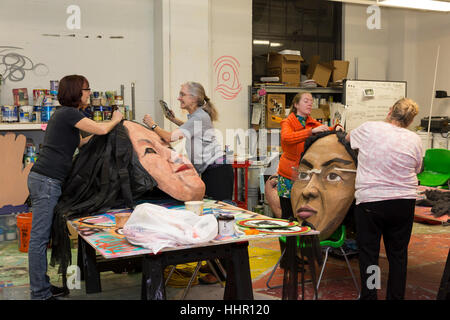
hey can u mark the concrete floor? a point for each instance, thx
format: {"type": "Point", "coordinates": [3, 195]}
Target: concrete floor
{"type": "Point", "coordinates": [428, 251]}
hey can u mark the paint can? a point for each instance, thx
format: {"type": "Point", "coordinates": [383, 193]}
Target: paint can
{"type": "Point", "coordinates": [54, 84]}
{"type": "Point", "coordinates": [38, 96]}
{"type": "Point", "coordinates": [226, 224]}
{"type": "Point", "coordinates": [27, 159]}
{"type": "Point", "coordinates": [48, 100]}
{"type": "Point", "coordinates": [98, 114]}
{"type": "Point", "coordinates": [107, 114]}
{"type": "Point", "coordinates": [46, 113]}
{"type": "Point", "coordinates": [25, 114]}
{"type": "Point", "coordinates": [36, 117]}
{"type": "Point", "coordinates": [9, 114]}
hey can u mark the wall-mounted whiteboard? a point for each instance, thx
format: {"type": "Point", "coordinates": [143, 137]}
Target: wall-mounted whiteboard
{"type": "Point", "coordinates": [370, 100]}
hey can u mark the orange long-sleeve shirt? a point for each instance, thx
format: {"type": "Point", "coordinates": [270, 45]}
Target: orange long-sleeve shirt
{"type": "Point", "coordinates": [293, 137]}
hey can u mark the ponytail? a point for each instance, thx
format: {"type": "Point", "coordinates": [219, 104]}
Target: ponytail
{"type": "Point", "coordinates": [210, 109]}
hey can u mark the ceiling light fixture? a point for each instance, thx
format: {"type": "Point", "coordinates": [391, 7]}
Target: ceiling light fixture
{"type": "Point", "coordinates": [275, 44]}
{"type": "Point", "coordinates": [266, 42]}
{"type": "Point", "coordinates": [427, 5]}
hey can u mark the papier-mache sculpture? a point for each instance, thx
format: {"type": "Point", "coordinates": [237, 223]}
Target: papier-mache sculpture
{"type": "Point", "coordinates": [324, 183]}
{"type": "Point", "coordinates": [115, 170]}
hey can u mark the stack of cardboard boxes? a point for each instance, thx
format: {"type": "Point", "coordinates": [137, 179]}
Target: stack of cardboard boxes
{"type": "Point", "coordinates": [287, 68]}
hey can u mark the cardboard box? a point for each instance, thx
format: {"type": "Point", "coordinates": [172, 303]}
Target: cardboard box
{"type": "Point", "coordinates": [284, 66]}
{"type": "Point", "coordinates": [320, 72]}
{"type": "Point", "coordinates": [340, 69]}
{"type": "Point", "coordinates": [318, 114]}
{"type": "Point", "coordinates": [275, 107]}
{"type": "Point", "coordinates": [326, 110]}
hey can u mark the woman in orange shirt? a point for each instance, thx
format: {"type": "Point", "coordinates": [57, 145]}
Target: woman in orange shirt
{"type": "Point", "coordinates": [295, 129]}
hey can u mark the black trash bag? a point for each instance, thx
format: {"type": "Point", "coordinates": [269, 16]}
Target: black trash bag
{"type": "Point", "coordinates": [105, 174]}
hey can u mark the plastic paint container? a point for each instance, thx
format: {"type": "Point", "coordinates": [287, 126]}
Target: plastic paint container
{"type": "Point", "coordinates": [46, 113]}
{"type": "Point", "coordinates": [25, 114]}
{"type": "Point", "coordinates": [54, 85]}
{"type": "Point", "coordinates": [226, 225]}
{"type": "Point", "coordinates": [36, 117]}
{"type": "Point", "coordinates": [9, 114]}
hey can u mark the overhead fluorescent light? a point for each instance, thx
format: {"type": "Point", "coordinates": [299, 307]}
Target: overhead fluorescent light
{"type": "Point", "coordinates": [266, 42]}
{"type": "Point", "coordinates": [418, 4]}
{"type": "Point", "coordinates": [429, 5]}
{"type": "Point", "coordinates": [275, 44]}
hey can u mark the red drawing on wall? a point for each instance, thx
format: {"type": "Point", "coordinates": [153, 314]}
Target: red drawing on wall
{"type": "Point", "coordinates": [227, 77]}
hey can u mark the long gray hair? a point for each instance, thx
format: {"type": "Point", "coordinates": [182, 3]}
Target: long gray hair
{"type": "Point", "coordinates": [197, 90]}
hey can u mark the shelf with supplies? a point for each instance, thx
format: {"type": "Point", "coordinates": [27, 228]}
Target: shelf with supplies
{"type": "Point", "coordinates": [269, 104]}
{"type": "Point", "coordinates": [22, 126]}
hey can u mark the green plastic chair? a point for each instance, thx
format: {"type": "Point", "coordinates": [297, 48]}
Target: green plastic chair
{"type": "Point", "coordinates": [336, 240]}
{"type": "Point", "coordinates": [436, 170]}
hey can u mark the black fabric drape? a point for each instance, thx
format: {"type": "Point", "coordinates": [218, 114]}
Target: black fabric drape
{"type": "Point", "coordinates": [105, 174]}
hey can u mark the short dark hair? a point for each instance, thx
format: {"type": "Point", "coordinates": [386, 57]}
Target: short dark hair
{"type": "Point", "coordinates": [70, 90]}
{"type": "Point", "coordinates": [341, 138]}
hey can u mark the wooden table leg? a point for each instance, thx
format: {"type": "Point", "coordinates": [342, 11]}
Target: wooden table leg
{"type": "Point", "coordinates": [80, 262]}
{"type": "Point", "coordinates": [153, 284]}
{"type": "Point", "coordinates": [290, 279]}
{"type": "Point", "coordinates": [91, 273]}
{"type": "Point", "coordinates": [239, 281]}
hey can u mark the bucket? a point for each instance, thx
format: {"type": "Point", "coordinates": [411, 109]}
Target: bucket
{"type": "Point", "coordinates": [24, 227]}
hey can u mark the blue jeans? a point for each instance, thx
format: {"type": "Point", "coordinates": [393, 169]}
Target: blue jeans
{"type": "Point", "coordinates": [44, 192]}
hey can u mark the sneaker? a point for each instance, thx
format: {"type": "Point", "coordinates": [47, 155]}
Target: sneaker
{"type": "Point", "coordinates": [59, 292]}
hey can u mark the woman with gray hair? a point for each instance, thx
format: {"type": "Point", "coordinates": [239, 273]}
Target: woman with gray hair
{"type": "Point", "coordinates": [201, 144]}
{"type": "Point", "coordinates": [389, 158]}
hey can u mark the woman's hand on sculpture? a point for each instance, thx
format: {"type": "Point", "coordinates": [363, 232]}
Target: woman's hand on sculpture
{"type": "Point", "coordinates": [148, 120]}
{"type": "Point", "coordinates": [318, 129]}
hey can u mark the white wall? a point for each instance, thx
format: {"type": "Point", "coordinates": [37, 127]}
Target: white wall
{"type": "Point", "coordinates": [107, 63]}
{"type": "Point", "coordinates": [195, 35]}
{"type": "Point", "coordinates": [403, 49]}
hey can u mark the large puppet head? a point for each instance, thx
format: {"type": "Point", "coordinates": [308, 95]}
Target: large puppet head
{"type": "Point", "coordinates": [324, 185]}
{"type": "Point", "coordinates": [115, 170]}
{"type": "Point", "coordinates": [174, 173]}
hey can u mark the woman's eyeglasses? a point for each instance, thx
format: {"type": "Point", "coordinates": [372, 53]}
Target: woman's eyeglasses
{"type": "Point", "coordinates": [182, 94]}
{"type": "Point", "coordinates": [86, 89]}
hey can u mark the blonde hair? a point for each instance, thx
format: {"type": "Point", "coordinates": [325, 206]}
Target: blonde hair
{"type": "Point", "coordinates": [404, 111]}
{"type": "Point", "coordinates": [296, 100]}
{"type": "Point", "coordinates": [197, 90]}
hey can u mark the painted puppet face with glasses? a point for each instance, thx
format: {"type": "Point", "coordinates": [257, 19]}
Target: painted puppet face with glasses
{"type": "Point", "coordinates": [324, 185]}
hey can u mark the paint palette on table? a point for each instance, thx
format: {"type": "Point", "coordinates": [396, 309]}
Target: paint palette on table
{"type": "Point", "coordinates": [261, 223]}
{"type": "Point", "coordinates": [295, 229]}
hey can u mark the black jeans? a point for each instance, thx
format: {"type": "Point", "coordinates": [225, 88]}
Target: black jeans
{"type": "Point", "coordinates": [219, 182]}
{"type": "Point", "coordinates": [392, 219]}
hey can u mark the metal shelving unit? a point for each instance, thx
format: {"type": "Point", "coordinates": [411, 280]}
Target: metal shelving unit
{"type": "Point", "coordinates": [263, 134]}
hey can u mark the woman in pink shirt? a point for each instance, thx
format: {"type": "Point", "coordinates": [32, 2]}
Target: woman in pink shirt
{"type": "Point", "coordinates": [389, 158]}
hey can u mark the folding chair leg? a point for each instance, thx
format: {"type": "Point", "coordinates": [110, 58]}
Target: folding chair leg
{"type": "Point", "coordinates": [199, 264]}
{"type": "Point", "coordinates": [222, 269]}
{"type": "Point", "coordinates": [214, 271]}
{"type": "Point", "coordinates": [273, 271]}
{"type": "Point", "coordinates": [323, 267]}
{"type": "Point", "coordinates": [170, 274]}
{"type": "Point", "coordinates": [351, 272]}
